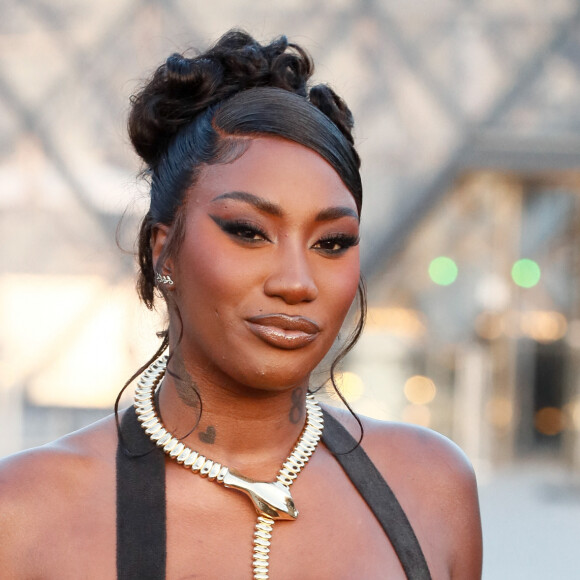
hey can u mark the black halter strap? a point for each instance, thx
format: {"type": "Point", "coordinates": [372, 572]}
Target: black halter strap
{"type": "Point", "coordinates": [141, 515]}
{"type": "Point", "coordinates": [378, 496]}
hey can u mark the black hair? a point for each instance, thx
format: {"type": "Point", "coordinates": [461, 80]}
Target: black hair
{"type": "Point", "coordinates": [205, 110]}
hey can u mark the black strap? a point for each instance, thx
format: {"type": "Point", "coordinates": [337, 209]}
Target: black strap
{"type": "Point", "coordinates": [379, 497]}
{"type": "Point", "coordinates": [141, 529]}
{"type": "Point", "coordinates": [141, 515]}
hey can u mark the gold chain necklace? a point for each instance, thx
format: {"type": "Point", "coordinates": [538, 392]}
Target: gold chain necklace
{"type": "Point", "coordinates": [272, 500]}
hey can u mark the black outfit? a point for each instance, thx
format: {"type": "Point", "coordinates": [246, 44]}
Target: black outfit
{"type": "Point", "coordinates": [141, 529]}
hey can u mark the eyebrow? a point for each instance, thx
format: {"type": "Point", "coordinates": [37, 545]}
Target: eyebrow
{"type": "Point", "coordinates": [258, 202]}
{"type": "Point", "coordinates": [334, 213]}
{"type": "Point", "coordinates": [266, 206]}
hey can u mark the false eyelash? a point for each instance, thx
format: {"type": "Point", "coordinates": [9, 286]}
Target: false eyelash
{"type": "Point", "coordinates": [346, 241]}
{"type": "Point", "coordinates": [235, 227]}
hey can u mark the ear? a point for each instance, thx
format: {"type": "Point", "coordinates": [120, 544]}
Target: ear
{"type": "Point", "coordinates": [159, 239]}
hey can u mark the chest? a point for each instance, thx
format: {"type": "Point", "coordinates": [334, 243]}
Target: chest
{"type": "Point", "coordinates": [210, 532]}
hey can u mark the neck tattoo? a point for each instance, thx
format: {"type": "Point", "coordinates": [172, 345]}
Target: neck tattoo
{"type": "Point", "coordinates": [272, 500]}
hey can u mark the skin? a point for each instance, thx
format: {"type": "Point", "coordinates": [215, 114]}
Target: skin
{"type": "Point", "coordinates": [57, 502]}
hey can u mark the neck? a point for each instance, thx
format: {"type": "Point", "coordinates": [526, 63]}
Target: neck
{"type": "Point", "coordinates": [252, 431]}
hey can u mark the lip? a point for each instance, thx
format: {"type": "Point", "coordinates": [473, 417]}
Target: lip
{"type": "Point", "coordinates": [284, 331]}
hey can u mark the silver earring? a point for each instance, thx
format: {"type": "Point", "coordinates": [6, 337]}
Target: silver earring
{"type": "Point", "coordinates": [163, 279]}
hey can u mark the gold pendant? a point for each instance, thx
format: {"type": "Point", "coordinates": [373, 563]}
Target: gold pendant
{"type": "Point", "coordinates": [272, 500]}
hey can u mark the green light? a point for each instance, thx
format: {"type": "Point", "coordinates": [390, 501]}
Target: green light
{"type": "Point", "coordinates": [443, 271]}
{"type": "Point", "coordinates": [526, 273]}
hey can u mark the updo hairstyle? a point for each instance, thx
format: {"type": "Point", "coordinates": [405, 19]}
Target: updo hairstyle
{"type": "Point", "coordinates": [205, 110]}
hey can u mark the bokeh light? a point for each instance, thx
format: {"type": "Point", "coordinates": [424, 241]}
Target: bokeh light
{"type": "Point", "coordinates": [403, 322]}
{"type": "Point", "coordinates": [443, 271]}
{"type": "Point", "coordinates": [526, 273]}
{"type": "Point", "coordinates": [420, 390]}
{"type": "Point", "coordinates": [549, 421]}
{"type": "Point", "coordinates": [544, 325]}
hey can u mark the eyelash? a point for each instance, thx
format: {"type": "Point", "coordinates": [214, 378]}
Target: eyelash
{"type": "Point", "coordinates": [345, 241]}
{"type": "Point", "coordinates": [239, 228]}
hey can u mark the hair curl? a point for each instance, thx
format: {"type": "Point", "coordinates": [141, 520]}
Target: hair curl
{"type": "Point", "coordinates": [204, 110]}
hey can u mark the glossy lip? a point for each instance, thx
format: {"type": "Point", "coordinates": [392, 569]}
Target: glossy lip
{"type": "Point", "coordinates": [284, 331]}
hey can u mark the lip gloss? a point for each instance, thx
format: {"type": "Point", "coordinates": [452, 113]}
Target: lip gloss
{"type": "Point", "coordinates": [284, 331]}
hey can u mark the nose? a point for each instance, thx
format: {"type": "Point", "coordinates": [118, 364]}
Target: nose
{"type": "Point", "coordinates": [291, 277]}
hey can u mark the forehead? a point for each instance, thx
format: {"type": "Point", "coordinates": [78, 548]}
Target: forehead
{"type": "Point", "coordinates": [277, 169]}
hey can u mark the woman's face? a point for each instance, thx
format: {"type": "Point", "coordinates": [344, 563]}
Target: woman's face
{"type": "Point", "coordinates": [268, 267]}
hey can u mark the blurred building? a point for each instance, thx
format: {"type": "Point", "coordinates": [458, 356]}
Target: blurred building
{"type": "Point", "coordinates": [468, 123]}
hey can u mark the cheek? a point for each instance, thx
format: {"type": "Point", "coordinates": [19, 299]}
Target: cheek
{"type": "Point", "coordinates": [342, 286]}
{"type": "Point", "coordinates": [213, 276]}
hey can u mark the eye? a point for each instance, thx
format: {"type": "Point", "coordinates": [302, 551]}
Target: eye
{"type": "Point", "coordinates": [245, 231]}
{"type": "Point", "coordinates": [241, 229]}
{"type": "Point", "coordinates": [336, 244]}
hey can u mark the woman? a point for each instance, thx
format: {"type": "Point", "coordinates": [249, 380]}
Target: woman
{"type": "Point", "coordinates": [252, 241]}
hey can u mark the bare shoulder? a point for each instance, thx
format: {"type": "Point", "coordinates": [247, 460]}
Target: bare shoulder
{"type": "Point", "coordinates": [422, 452]}
{"type": "Point", "coordinates": [58, 459]}
{"type": "Point", "coordinates": [434, 482]}
{"type": "Point", "coordinates": [42, 488]}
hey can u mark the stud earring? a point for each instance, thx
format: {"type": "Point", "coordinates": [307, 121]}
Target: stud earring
{"type": "Point", "coordinates": [163, 279]}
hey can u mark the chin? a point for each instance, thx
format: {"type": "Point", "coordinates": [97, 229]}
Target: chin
{"type": "Point", "coordinates": [277, 378]}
